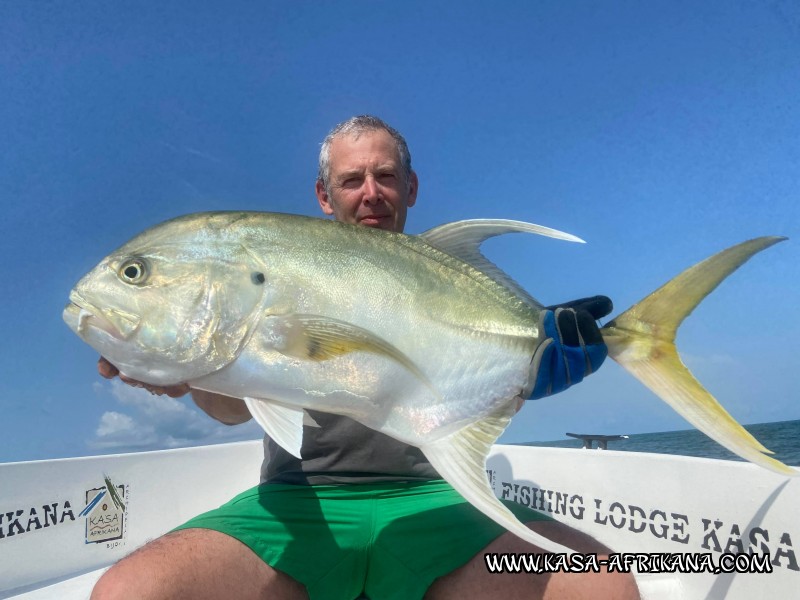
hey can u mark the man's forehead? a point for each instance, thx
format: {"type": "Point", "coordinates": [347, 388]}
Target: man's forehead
{"type": "Point", "coordinates": [355, 147]}
{"type": "Point", "coordinates": [376, 137]}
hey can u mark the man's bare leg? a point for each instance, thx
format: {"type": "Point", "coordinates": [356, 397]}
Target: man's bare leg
{"type": "Point", "coordinates": [195, 564]}
{"type": "Point", "coordinates": [474, 581]}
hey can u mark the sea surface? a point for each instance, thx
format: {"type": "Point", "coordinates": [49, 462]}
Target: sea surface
{"type": "Point", "coordinates": [783, 438]}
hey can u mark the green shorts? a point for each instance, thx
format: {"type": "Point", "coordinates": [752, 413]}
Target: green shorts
{"type": "Point", "coordinates": [386, 540]}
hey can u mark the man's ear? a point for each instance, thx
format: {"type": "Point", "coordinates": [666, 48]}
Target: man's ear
{"type": "Point", "coordinates": [413, 187]}
{"type": "Point", "coordinates": [322, 198]}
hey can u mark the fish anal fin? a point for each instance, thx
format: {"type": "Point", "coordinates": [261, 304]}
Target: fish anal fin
{"type": "Point", "coordinates": [460, 458]}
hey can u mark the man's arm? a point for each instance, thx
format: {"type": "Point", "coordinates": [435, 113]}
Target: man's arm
{"type": "Point", "coordinates": [225, 409]}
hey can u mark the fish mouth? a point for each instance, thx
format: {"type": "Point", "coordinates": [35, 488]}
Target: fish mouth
{"type": "Point", "coordinates": [81, 315]}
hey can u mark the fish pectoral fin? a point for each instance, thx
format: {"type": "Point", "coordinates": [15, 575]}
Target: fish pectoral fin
{"type": "Point", "coordinates": [284, 424]}
{"type": "Point", "coordinates": [313, 337]}
{"type": "Point", "coordinates": [460, 458]}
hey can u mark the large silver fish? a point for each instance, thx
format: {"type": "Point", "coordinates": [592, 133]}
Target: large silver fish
{"type": "Point", "coordinates": [419, 337]}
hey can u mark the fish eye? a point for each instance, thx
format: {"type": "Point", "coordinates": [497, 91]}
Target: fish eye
{"type": "Point", "coordinates": [133, 271]}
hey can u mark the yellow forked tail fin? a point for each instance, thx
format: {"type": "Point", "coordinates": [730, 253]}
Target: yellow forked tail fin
{"type": "Point", "coordinates": [642, 340]}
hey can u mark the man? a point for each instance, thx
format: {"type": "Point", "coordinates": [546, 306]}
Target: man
{"type": "Point", "coordinates": [362, 512]}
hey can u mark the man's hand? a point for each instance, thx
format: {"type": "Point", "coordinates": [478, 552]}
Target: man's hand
{"type": "Point", "coordinates": [225, 409]}
{"type": "Point", "coordinates": [572, 345]}
{"type": "Point", "coordinates": [109, 371]}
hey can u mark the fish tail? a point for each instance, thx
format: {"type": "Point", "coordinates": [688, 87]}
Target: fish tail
{"type": "Point", "coordinates": [642, 341]}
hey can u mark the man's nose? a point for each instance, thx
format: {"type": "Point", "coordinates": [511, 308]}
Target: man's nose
{"type": "Point", "coordinates": [370, 190]}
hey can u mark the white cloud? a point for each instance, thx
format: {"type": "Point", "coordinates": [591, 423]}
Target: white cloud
{"type": "Point", "coordinates": [112, 423]}
{"type": "Point", "coordinates": [118, 431]}
{"type": "Point", "coordinates": [158, 422]}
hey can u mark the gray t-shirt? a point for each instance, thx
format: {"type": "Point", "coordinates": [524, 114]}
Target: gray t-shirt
{"type": "Point", "coordinates": [342, 451]}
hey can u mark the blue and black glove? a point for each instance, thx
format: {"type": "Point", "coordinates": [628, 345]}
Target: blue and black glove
{"type": "Point", "coordinates": [572, 345]}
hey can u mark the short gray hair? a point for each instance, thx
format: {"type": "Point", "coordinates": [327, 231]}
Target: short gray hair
{"type": "Point", "coordinates": [356, 126]}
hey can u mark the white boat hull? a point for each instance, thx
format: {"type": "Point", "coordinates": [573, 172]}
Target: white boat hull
{"type": "Point", "coordinates": [51, 545]}
{"type": "Point", "coordinates": [658, 504]}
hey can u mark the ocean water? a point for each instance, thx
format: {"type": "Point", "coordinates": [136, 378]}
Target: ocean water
{"type": "Point", "coordinates": [783, 438]}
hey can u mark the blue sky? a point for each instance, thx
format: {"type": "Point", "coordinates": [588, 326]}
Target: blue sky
{"type": "Point", "coordinates": [660, 132]}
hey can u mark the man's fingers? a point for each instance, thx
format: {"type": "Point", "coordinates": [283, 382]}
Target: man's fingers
{"type": "Point", "coordinates": [130, 381]}
{"type": "Point", "coordinates": [589, 332]}
{"type": "Point", "coordinates": [175, 391]}
{"type": "Point", "coordinates": [577, 327]}
{"type": "Point", "coordinates": [597, 306]}
{"type": "Point", "coordinates": [106, 369]}
{"type": "Point", "coordinates": [109, 371]}
{"type": "Point", "coordinates": [567, 326]}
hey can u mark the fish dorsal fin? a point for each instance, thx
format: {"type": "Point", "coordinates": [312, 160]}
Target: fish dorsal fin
{"type": "Point", "coordinates": [314, 337]}
{"type": "Point", "coordinates": [463, 239]}
{"type": "Point", "coordinates": [461, 459]}
{"type": "Point", "coordinates": [284, 424]}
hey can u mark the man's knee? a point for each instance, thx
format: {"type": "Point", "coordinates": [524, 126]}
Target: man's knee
{"type": "Point", "coordinates": [118, 583]}
{"type": "Point", "coordinates": [622, 586]}
{"type": "Point", "coordinates": [131, 577]}
{"type": "Point", "coordinates": [603, 585]}
{"type": "Point", "coordinates": [194, 563]}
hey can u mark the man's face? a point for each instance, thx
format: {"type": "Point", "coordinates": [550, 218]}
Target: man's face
{"type": "Point", "coordinates": [367, 183]}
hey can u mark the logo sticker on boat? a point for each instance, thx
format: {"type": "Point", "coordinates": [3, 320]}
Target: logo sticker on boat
{"type": "Point", "coordinates": [490, 474]}
{"type": "Point", "coordinates": [105, 512]}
